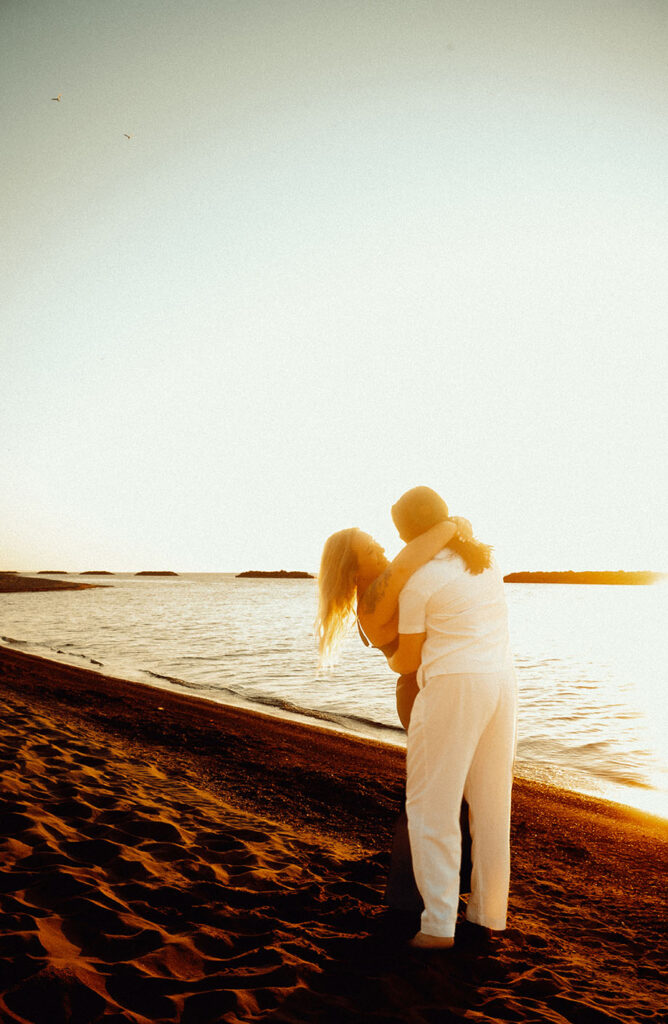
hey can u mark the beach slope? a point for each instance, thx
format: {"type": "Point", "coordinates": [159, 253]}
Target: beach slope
{"type": "Point", "coordinates": [169, 859]}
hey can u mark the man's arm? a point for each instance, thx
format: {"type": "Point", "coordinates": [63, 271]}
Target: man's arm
{"type": "Point", "coordinates": [408, 654]}
{"type": "Point", "coordinates": [412, 626]}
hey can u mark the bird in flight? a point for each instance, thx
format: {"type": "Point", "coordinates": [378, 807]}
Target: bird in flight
{"type": "Point", "coordinates": [128, 136]}
{"type": "Point", "coordinates": [58, 97]}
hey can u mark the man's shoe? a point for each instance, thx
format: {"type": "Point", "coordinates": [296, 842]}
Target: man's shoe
{"type": "Point", "coordinates": [429, 942]}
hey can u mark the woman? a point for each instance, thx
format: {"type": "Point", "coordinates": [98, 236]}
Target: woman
{"type": "Point", "coordinates": [355, 577]}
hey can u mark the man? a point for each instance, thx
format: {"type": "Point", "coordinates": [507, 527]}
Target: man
{"type": "Point", "coordinates": [453, 629]}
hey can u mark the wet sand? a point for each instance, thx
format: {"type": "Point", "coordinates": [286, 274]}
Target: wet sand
{"type": "Point", "coordinates": [164, 858]}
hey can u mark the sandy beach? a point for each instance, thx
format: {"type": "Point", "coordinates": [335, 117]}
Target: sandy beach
{"type": "Point", "coordinates": [171, 859]}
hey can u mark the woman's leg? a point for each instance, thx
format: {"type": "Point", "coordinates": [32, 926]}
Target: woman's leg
{"type": "Point", "coordinates": [401, 892]}
{"type": "Point", "coordinates": [407, 691]}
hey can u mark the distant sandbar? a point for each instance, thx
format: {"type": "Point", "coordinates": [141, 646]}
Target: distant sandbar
{"type": "Point", "coordinates": [11, 583]}
{"type": "Point", "coordinates": [280, 574]}
{"type": "Point", "coordinates": [151, 572]}
{"type": "Point", "coordinates": [605, 578]}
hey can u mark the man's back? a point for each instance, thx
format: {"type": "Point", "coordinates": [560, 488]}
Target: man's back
{"type": "Point", "coordinates": [464, 616]}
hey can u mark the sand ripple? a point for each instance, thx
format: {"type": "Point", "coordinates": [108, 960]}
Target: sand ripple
{"type": "Point", "coordinates": [129, 895]}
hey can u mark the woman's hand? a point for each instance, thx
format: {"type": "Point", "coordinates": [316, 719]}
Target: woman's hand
{"type": "Point", "coordinates": [464, 528]}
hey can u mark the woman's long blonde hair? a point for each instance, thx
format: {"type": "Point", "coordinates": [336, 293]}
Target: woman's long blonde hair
{"type": "Point", "coordinates": [337, 592]}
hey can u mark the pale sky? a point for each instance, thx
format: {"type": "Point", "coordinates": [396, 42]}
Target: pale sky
{"type": "Point", "coordinates": [352, 247]}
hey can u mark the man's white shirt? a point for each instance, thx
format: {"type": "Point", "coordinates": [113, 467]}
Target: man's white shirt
{"type": "Point", "coordinates": [464, 616]}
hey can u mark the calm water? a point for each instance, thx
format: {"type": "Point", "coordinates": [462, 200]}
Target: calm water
{"type": "Point", "coordinates": [591, 664]}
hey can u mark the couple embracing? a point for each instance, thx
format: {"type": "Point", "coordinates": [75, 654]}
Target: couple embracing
{"type": "Point", "coordinates": [438, 613]}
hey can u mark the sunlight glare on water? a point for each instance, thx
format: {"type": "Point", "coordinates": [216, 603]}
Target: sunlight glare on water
{"type": "Point", "coordinates": [593, 698]}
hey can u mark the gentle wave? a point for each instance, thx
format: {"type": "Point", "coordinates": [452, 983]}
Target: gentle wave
{"type": "Point", "coordinates": [349, 721]}
{"type": "Point", "coordinates": [50, 651]}
{"type": "Point", "coordinates": [173, 679]}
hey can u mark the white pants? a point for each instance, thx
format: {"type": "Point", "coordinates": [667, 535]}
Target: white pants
{"type": "Point", "coordinates": [461, 742]}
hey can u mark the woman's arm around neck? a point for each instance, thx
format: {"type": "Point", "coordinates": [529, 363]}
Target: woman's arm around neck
{"type": "Point", "coordinates": [378, 606]}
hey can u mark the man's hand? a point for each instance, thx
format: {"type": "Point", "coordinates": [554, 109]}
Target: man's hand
{"type": "Point", "coordinates": [408, 654]}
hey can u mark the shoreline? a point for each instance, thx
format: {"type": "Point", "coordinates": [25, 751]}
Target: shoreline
{"type": "Point", "coordinates": [526, 772]}
{"type": "Point", "coordinates": [178, 859]}
{"type": "Point", "coordinates": [101, 696]}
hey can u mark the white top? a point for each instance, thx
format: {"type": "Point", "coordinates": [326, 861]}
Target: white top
{"type": "Point", "coordinates": [464, 616]}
